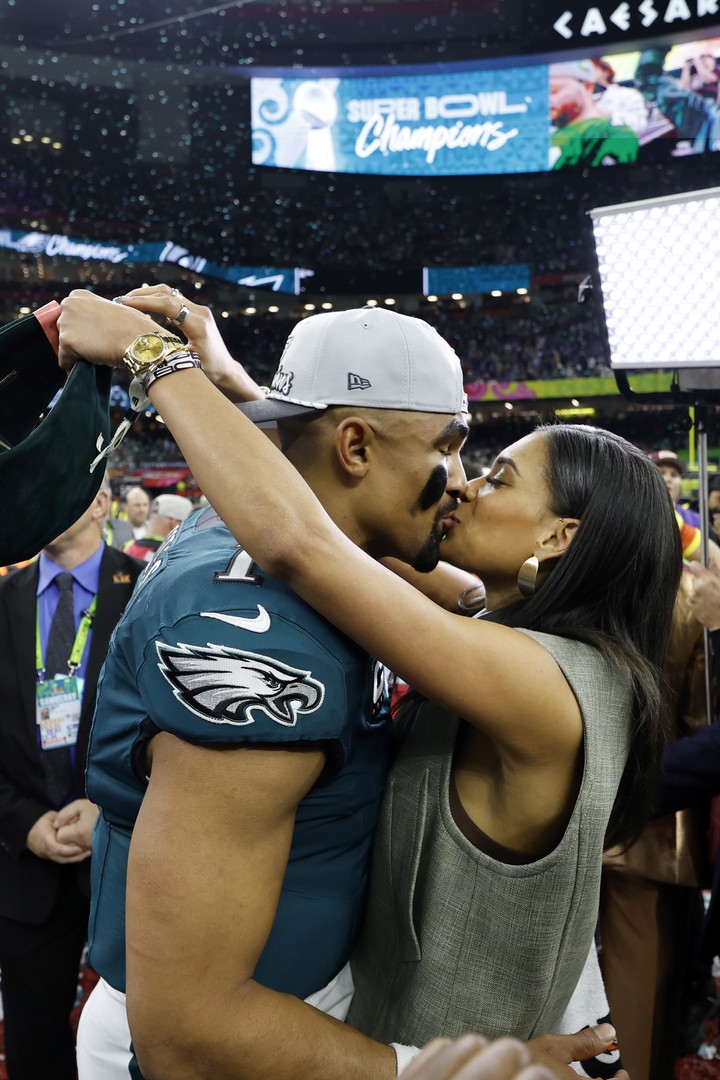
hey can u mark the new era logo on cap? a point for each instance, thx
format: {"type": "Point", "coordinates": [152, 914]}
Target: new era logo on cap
{"type": "Point", "coordinates": [356, 382]}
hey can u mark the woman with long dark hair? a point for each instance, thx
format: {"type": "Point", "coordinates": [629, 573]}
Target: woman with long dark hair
{"type": "Point", "coordinates": [508, 822]}
{"type": "Point", "coordinates": [536, 731]}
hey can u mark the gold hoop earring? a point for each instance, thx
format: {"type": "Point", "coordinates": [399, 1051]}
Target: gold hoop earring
{"type": "Point", "coordinates": [527, 576]}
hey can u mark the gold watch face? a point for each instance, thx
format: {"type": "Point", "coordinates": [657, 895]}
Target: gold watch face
{"type": "Point", "coordinates": [148, 348]}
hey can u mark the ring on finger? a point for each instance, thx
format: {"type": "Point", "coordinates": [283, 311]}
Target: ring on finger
{"type": "Point", "coordinates": [176, 293]}
{"type": "Point", "coordinates": [180, 317]}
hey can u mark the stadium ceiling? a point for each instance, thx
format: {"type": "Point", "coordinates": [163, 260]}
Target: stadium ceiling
{"type": "Point", "coordinates": [341, 33]}
{"type": "Point", "coordinates": [273, 31]}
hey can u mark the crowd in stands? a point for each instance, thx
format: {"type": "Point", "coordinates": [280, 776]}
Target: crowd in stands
{"type": "Point", "coordinates": [517, 341]}
{"type": "Point", "coordinates": [543, 336]}
{"type": "Point", "coordinates": [542, 339]}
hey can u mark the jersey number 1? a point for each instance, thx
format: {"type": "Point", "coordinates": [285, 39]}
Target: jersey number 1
{"type": "Point", "coordinates": [240, 568]}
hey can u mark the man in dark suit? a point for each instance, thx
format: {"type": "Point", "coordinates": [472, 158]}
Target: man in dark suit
{"type": "Point", "coordinates": [45, 820]}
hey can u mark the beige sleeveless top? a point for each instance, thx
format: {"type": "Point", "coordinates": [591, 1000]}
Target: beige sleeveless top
{"type": "Point", "coordinates": [456, 941]}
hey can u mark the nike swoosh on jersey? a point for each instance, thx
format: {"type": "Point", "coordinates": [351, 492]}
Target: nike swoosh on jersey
{"type": "Point", "coordinates": [258, 625]}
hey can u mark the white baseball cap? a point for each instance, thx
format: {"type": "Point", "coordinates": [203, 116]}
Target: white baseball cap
{"type": "Point", "coordinates": [172, 506]}
{"type": "Point", "coordinates": [369, 358]}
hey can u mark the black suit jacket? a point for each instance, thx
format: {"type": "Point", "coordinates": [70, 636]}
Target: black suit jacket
{"type": "Point", "coordinates": [691, 773]}
{"type": "Point", "coordinates": [28, 885]}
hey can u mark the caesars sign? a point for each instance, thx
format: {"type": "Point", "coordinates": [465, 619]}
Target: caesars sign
{"type": "Point", "coordinates": [627, 20]}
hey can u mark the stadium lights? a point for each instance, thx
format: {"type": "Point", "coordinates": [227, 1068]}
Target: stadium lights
{"type": "Point", "coordinates": [327, 306]}
{"type": "Point", "coordinates": [575, 402]}
{"type": "Point", "coordinates": [371, 303]}
{"type": "Point", "coordinates": [250, 310]}
{"type": "Point", "coordinates": [456, 296]}
{"type": "Point", "coordinates": [521, 292]}
{"type": "Point", "coordinates": [509, 405]}
{"type": "Point", "coordinates": [432, 299]}
{"type": "Point", "coordinates": [659, 271]}
{"type": "Point", "coordinates": [496, 292]}
{"type": "Point", "coordinates": [273, 309]}
{"type": "Point", "coordinates": [225, 314]}
{"type": "Point", "coordinates": [309, 307]}
{"type": "Point", "coordinates": [389, 300]}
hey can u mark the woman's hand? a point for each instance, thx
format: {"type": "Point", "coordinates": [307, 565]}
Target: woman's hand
{"type": "Point", "coordinates": [556, 1052]}
{"type": "Point", "coordinates": [199, 327]}
{"type": "Point", "coordinates": [97, 330]}
{"type": "Point", "coordinates": [474, 1058]}
{"type": "Point", "coordinates": [704, 601]}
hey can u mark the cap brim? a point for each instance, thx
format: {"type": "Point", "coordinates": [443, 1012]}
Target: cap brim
{"type": "Point", "coordinates": [266, 411]}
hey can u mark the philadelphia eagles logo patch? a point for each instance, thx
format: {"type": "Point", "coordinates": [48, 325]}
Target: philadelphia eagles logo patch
{"type": "Point", "coordinates": [230, 686]}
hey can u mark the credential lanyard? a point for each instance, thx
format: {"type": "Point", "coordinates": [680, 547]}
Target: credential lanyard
{"type": "Point", "coordinates": [76, 653]}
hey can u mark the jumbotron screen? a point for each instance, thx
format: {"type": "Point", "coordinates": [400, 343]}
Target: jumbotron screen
{"type": "Point", "coordinates": [490, 119]}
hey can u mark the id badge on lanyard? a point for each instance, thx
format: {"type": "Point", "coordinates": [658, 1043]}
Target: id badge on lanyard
{"type": "Point", "coordinates": [58, 701]}
{"type": "Point", "coordinates": [57, 709]}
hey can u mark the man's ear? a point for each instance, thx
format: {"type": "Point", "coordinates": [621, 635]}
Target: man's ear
{"type": "Point", "coordinates": [353, 441]}
{"type": "Point", "coordinates": [556, 541]}
{"type": "Point", "coordinates": [101, 505]}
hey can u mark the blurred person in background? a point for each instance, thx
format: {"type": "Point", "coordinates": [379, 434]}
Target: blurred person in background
{"type": "Point", "coordinates": [714, 505]}
{"type": "Point", "coordinates": [118, 531]}
{"type": "Point", "coordinates": [701, 74]}
{"type": "Point", "coordinates": [672, 469]}
{"type": "Point", "coordinates": [166, 511]}
{"type": "Point", "coordinates": [582, 133]}
{"type": "Point", "coordinates": [651, 910]}
{"type": "Point", "coordinates": [136, 507]}
{"type": "Point", "coordinates": [623, 104]}
{"type": "Point", "coordinates": [690, 778]}
{"type": "Point", "coordinates": [56, 618]}
{"type": "Point", "coordinates": [693, 112]}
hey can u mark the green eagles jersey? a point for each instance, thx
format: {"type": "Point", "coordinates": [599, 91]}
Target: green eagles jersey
{"type": "Point", "coordinates": [216, 652]}
{"type": "Point", "coordinates": [593, 142]}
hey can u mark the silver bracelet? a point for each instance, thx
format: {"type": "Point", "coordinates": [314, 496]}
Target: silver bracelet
{"type": "Point", "coordinates": [179, 361]}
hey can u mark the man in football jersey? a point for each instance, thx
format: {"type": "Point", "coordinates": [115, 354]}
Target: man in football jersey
{"type": "Point", "coordinates": [241, 742]}
{"type": "Point", "coordinates": [263, 731]}
{"type": "Point", "coordinates": [582, 133]}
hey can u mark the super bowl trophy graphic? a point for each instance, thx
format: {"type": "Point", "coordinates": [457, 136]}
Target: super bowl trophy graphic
{"type": "Point", "coordinates": [314, 110]}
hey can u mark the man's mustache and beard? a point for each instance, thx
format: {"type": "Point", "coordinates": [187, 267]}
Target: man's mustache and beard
{"type": "Point", "coordinates": [429, 554]}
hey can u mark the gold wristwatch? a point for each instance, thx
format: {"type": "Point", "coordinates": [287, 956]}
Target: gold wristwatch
{"type": "Point", "coordinates": [151, 349]}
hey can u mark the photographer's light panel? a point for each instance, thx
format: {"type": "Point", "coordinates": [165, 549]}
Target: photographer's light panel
{"type": "Point", "coordinates": [659, 265]}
